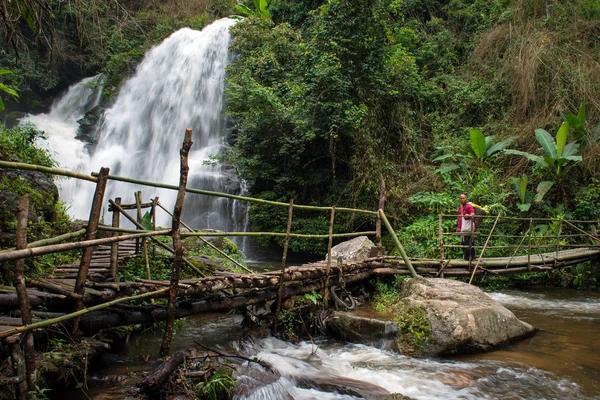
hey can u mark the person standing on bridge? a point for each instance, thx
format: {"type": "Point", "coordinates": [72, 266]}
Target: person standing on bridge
{"type": "Point", "coordinates": [466, 227]}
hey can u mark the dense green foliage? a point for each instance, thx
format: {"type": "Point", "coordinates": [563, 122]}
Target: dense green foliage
{"type": "Point", "coordinates": [329, 95]}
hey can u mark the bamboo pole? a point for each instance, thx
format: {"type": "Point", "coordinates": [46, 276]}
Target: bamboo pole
{"type": "Point", "coordinates": [54, 240]}
{"type": "Point", "coordinates": [66, 317]}
{"type": "Point", "coordinates": [154, 203]}
{"type": "Point", "coordinates": [86, 256]}
{"type": "Point", "coordinates": [19, 283]}
{"type": "Point", "coordinates": [253, 234]}
{"type": "Point", "coordinates": [47, 170]}
{"type": "Point", "coordinates": [283, 266]}
{"type": "Point", "coordinates": [558, 235]}
{"type": "Point", "coordinates": [138, 202]}
{"type": "Point", "coordinates": [177, 243]}
{"type": "Point", "coordinates": [593, 237]}
{"type": "Point", "coordinates": [155, 240]}
{"type": "Point", "coordinates": [378, 222]}
{"type": "Point", "coordinates": [329, 244]}
{"type": "Point", "coordinates": [397, 243]}
{"type": "Point", "coordinates": [236, 197]}
{"type": "Point", "coordinates": [211, 245]}
{"type": "Point", "coordinates": [529, 244]}
{"type": "Point", "coordinates": [482, 251]}
{"type": "Point", "coordinates": [114, 247]}
{"type": "Point", "coordinates": [56, 248]}
{"type": "Point", "coordinates": [441, 244]}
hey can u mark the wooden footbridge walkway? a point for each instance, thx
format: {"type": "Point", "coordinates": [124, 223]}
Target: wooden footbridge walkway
{"type": "Point", "coordinates": [89, 296]}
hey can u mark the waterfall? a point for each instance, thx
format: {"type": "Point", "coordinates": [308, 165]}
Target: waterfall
{"type": "Point", "coordinates": [60, 124]}
{"type": "Point", "coordinates": [179, 84]}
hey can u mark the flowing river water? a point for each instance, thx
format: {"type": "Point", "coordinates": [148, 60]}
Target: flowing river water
{"type": "Point", "coordinates": [562, 361]}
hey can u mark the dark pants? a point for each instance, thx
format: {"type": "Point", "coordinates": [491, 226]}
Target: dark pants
{"type": "Point", "coordinates": [469, 250]}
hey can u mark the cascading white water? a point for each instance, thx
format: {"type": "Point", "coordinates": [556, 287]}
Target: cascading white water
{"type": "Point", "coordinates": [60, 124]}
{"type": "Point", "coordinates": [178, 85]}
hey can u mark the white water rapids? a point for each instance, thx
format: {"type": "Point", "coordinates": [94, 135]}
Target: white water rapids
{"type": "Point", "coordinates": [178, 85]}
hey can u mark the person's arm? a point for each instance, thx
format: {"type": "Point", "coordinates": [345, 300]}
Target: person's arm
{"type": "Point", "coordinates": [469, 211]}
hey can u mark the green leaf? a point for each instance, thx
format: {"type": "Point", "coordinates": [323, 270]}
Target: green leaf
{"type": "Point", "coordinates": [1, 104]}
{"type": "Point", "coordinates": [529, 156]}
{"type": "Point", "coordinates": [573, 158]}
{"type": "Point", "coordinates": [542, 189]}
{"type": "Point", "coordinates": [547, 142]}
{"type": "Point", "coordinates": [570, 149]}
{"type": "Point", "coordinates": [445, 168]}
{"type": "Point", "coordinates": [243, 10]}
{"type": "Point", "coordinates": [146, 221]}
{"type": "Point", "coordinates": [523, 188]}
{"type": "Point", "coordinates": [477, 143]}
{"type": "Point", "coordinates": [5, 71]}
{"type": "Point", "coordinates": [524, 207]}
{"type": "Point", "coordinates": [561, 138]}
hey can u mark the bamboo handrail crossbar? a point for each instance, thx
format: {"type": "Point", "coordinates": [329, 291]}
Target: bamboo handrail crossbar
{"type": "Point", "coordinates": [220, 234]}
{"type": "Point", "coordinates": [540, 219]}
{"type": "Point", "coordinates": [93, 178]}
{"type": "Point", "coordinates": [38, 251]}
{"type": "Point", "coordinates": [54, 240]}
{"type": "Point", "coordinates": [47, 170]}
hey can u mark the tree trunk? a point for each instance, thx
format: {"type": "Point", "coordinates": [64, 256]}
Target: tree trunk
{"type": "Point", "coordinates": [161, 373]}
{"type": "Point", "coordinates": [24, 306]}
{"type": "Point", "coordinates": [177, 244]}
{"type": "Point", "coordinates": [86, 257]}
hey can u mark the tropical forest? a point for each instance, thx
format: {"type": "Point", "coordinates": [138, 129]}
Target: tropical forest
{"type": "Point", "coordinates": [300, 199]}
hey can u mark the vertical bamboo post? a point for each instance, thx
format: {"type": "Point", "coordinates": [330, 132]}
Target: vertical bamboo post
{"type": "Point", "coordinates": [138, 203]}
{"type": "Point", "coordinates": [329, 244]}
{"type": "Point", "coordinates": [413, 273]}
{"type": "Point", "coordinates": [19, 282]}
{"type": "Point", "coordinates": [154, 205]}
{"type": "Point", "coordinates": [86, 256]}
{"type": "Point", "coordinates": [441, 243]}
{"type": "Point", "coordinates": [378, 223]}
{"type": "Point", "coordinates": [114, 247]}
{"type": "Point", "coordinates": [558, 235]}
{"type": "Point", "coordinates": [529, 244]}
{"type": "Point", "coordinates": [177, 244]}
{"type": "Point", "coordinates": [283, 265]}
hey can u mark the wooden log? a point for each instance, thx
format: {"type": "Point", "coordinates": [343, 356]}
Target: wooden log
{"type": "Point", "coordinates": [54, 288]}
{"type": "Point", "coordinates": [49, 322]}
{"type": "Point", "coordinates": [161, 373]}
{"type": "Point", "coordinates": [177, 243]}
{"type": "Point", "coordinates": [24, 306]}
{"type": "Point", "coordinates": [100, 320]}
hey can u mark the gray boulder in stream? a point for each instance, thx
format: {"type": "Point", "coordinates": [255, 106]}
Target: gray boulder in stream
{"type": "Point", "coordinates": [436, 317]}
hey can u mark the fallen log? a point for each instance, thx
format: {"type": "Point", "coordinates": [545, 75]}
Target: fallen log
{"type": "Point", "coordinates": [161, 373]}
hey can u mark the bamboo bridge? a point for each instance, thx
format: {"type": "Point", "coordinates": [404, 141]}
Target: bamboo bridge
{"type": "Point", "coordinates": [94, 298]}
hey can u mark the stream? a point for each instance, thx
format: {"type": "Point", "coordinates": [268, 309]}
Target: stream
{"type": "Point", "coordinates": [562, 361]}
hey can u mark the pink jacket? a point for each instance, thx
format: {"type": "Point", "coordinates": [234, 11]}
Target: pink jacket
{"type": "Point", "coordinates": [467, 209]}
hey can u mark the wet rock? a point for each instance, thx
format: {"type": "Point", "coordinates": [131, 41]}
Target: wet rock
{"type": "Point", "coordinates": [435, 317]}
{"type": "Point", "coordinates": [462, 318]}
{"type": "Point", "coordinates": [356, 249]}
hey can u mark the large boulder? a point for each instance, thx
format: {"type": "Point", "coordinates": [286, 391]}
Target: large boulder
{"type": "Point", "coordinates": [356, 249]}
{"type": "Point", "coordinates": [435, 317]}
